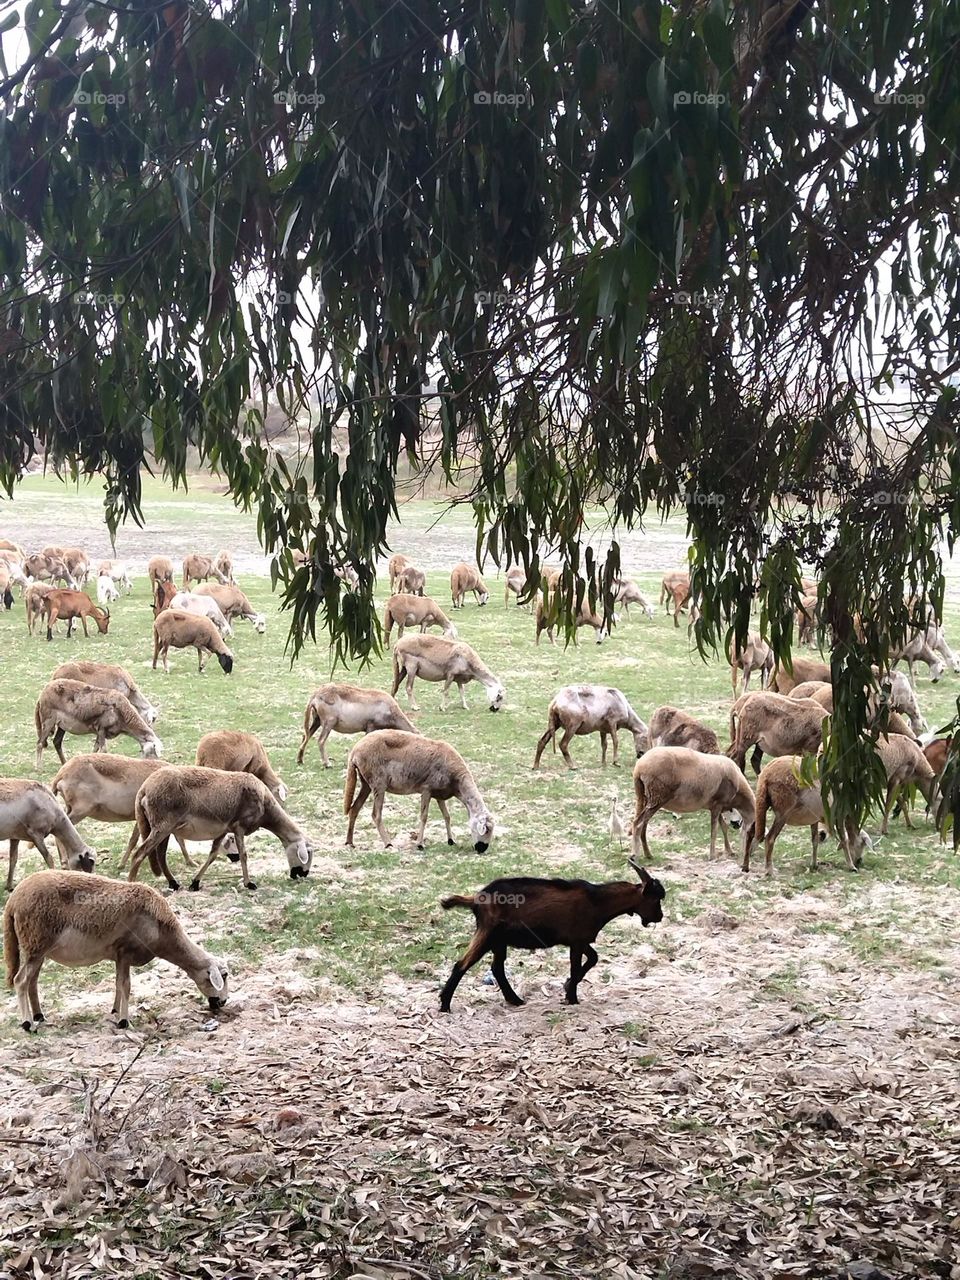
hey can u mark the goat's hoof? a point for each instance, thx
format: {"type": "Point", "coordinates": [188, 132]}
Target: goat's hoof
{"type": "Point", "coordinates": [123, 1024]}
{"type": "Point", "coordinates": [571, 1000]}
{"type": "Point", "coordinates": [516, 1002]}
{"type": "Point", "coordinates": [445, 1008]}
{"type": "Point", "coordinates": [251, 885]}
{"type": "Point", "coordinates": [194, 886]}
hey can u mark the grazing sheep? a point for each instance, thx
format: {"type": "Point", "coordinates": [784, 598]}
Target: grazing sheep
{"type": "Point", "coordinates": [402, 764]}
{"type": "Point", "coordinates": [233, 604]}
{"type": "Point", "coordinates": [546, 620]}
{"type": "Point", "coordinates": [775, 725]}
{"type": "Point", "coordinates": [686, 781]}
{"type": "Point", "coordinates": [905, 764]}
{"type": "Point", "coordinates": [29, 811]}
{"type": "Point", "coordinates": [70, 605]}
{"type": "Point", "coordinates": [757, 655]}
{"type": "Point", "coordinates": [466, 577]}
{"type": "Point", "coordinates": [106, 591]}
{"type": "Point", "coordinates": [795, 804]}
{"type": "Point", "coordinates": [803, 669]}
{"type": "Point", "coordinates": [436, 659]}
{"type": "Point", "coordinates": [204, 605]}
{"type": "Point", "coordinates": [159, 569]}
{"type": "Point", "coordinates": [175, 628]}
{"type": "Point", "coordinates": [118, 572]}
{"type": "Point", "coordinates": [33, 602]}
{"type": "Point", "coordinates": [900, 697]}
{"type": "Point", "coordinates": [199, 568]}
{"type": "Point", "coordinates": [931, 647]}
{"type": "Point", "coordinates": [70, 706]}
{"type": "Point", "coordinates": [670, 727]}
{"type": "Point", "coordinates": [411, 581]}
{"type": "Point", "coordinates": [395, 567]}
{"type": "Point", "coordinates": [49, 568]}
{"type": "Point", "coordinates": [105, 788]}
{"type": "Point", "coordinates": [513, 584]}
{"type": "Point", "coordinates": [195, 803]}
{"type": "Point", "coordinates": [629, 593]}
{"type": "Point", "coordinates": [104, 675]}
{"type": "Point", "coordinates": [534, 914]}
{"type": "Point", "coordinates": [347, 708]}
{"type": "Point", "coordinates": [77, 562]}
{"type": "Point", "coordinates": [80, 920]}
{"type": "Point", "coordinates": [238, 752]}
{"type": "Point", "coordinates": [580, 709]}
{"type": "Point", "coordinates": [415, 611]}
{"type": "Point", "coordinates": [224, 566]}
{"type": "Point", "coordinates": [675, 588]}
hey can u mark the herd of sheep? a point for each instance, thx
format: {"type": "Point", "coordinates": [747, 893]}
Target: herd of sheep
{"type": "Point", "coordinates": [231, 790]}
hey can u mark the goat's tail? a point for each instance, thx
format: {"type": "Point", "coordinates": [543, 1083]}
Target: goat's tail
{"type": "Point", "coordinates": [11, 946]}
{"type": "Point", "coordinates": [351, 786]}
{"type": "Point", "coordinates": [466, 900]}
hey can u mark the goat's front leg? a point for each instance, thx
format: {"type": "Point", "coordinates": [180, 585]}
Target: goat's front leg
{"type": "Point", "coordinates": [713, 833]}
{"type": "Point", "coordinates": [615, 734]}
{"type": "Point", "coordinates": [500, 975]}
{"type": "Point", "coordinates": [86, 633]}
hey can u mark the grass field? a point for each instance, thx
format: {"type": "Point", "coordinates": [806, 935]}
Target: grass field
{"type": "Point", "coordinates": [684, 1020]}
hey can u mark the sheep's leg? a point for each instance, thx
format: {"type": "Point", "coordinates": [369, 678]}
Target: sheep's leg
{"type": "Point", "coordinates": [385, 836]}
{"type": "Point", "coordinates": [725, 831]}
{"type": "Point", "coordinates": [309, 728]}
{"type": "Point", "coordinates": [14, 851]}
{"type": "Point", "coordinates": [713, 833]}
{"type": "Point", "coordinates": [478, 948]}
{"type": "Point", "coordinates": [888, 805]}
{"type": "Point", "coordinates": [411, 676]}
{"type": "Point", "coordinates": [83, 619]}
{"type": "Point", "coordinates": [603, 748]}
{"type": "Point", "coordinates": [160, 856]}
{"type": "Point", "coordinates": [199, 659]}
{"type": "Point", "coordinates": [25, 984]}
{"type": "Point", "coordinates": [121, 999]}
{"type": "Point", "coordinates": [500, 976]}
{"type": "Point", "coordinates": [615, 734]}
{"type": "Point", "coordinates": [463, 697]}
{"type": "Point", "coordinates": [442, 806]}
{"type": "Point", "coordinates": [143, 851]}
{"type": "Point", "coordinates": [58, 736]}
{"type": "Point", "coordinates": [37, 839]}
{"type": "Point", "coordinates": [211, 857]}
{"type": "Point", "coordinates": [772, 834]}
{"type": "Point", "coordinates": [183, 850]}
{"type": "Point", "coordinates": [242, 850]}
{"type": "Point", "coordinates": [568, 737]}
{"type": "Point", "coordinates": [640, 829]}
{"type": "Point", "coordinates": [33, 994]}
{"type": "Point", "coordinates": [815, 844]}
{"type": "Point", "coordinates": [322, 745]}
{"type": "Point", "coordinates": [424, 809]}
{"type": "Point", "coordinates": [355, 808]}
{"type": "Point", "coordinates": [542, 745]}
{"type": "Point", "coordinates": [166, 658]}
{"type": "Point", "coordinates": [100, 743]}
{"type": "Point", "coordinates": [131, 845]}
{"type": "Point", "coordinates": [756, 760]}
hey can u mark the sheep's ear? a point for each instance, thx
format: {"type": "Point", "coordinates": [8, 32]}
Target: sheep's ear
{"type": "Point", "coordinates": [641, 871]}
{"type": "Point", "coordinates": [216, 977]}
{"type": "Point", "coordinates": [303, 853]}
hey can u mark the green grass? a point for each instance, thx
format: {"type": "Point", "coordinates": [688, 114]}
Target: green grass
{"type": "Point", "coordinates": [369, 912]}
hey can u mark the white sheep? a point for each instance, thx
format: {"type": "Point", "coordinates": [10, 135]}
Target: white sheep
{"type": "Point", "coordinates": [580, 709]}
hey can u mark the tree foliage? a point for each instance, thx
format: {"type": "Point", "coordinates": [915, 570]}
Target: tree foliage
{"type": "Point", "coordinates": [654, 256]}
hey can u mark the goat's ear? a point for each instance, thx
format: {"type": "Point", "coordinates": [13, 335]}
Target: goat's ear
{"type": "Point", "coordinates": [641, 871]}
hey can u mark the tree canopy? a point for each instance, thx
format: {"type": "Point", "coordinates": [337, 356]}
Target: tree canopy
{"type": "Point", "coordinates": [651, 256]}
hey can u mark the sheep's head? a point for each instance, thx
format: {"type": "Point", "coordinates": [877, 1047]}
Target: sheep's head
{"type": "Point", "coordinates": [483, 598]}
{"type": "Point", "coordinates": [649, 610]}
{"type": "Point", "coordinates": [299, 857]}
{"type": "Point", "coordinates": [481, 828]}
{"type": "Point", "coordinates": [229, 847]}
{"type": "Point", "coordinates": [496, 693]}
{"type": "Point", "coordinates": [641, 739]}
{"type": "Point", "coordinates": [939, 667]}
{"type": "Point", "coordinates": [259, 622]}
{"type": "Point", "coordinates": [649, 897]}
{"type": "Point", "coordinates": [226, 662]}
{"type": "Point", "coordinates": [213, 979]}
{"type": "Point", "coordinates": [84, 859]}
{"type": "Point", "coordinates": [151, 747]}
{"type": "Point", "coordinates": [148, 711]}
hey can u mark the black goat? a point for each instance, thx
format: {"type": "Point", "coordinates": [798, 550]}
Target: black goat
{"type": "Point", "coordinates": [533, 914]}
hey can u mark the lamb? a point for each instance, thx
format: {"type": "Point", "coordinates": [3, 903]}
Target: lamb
{"type": "Point", "coordinates": [803, 669]}
{"type": "Point", "coordinates": [33, 602]}
{"type": "Point", "coordinates": [534, 914]}
{"type": "Point", "coordinates": [197, 803]}
{"type": "Point", "coordinates": [29, 811]}
{"type": "Point", "coordinates": [70, 706]}
{"type": "Point", "coordinates": [395, 567]}
{"type": "Point", "coordinates": [105, 788]}
{"type": "Point", "coordinates": [411, 581]}
{"type": "Point", "coordinates": [795, 804]}
{"type": "Point", "coordinates": [118, 572]}
{"type": "Point", "coordinates": [71, 605]}
{"type": "Point", "coordinates": [436, 659]}
{"type": "Point", "coordinates": [233, 604]}
{"type": "Point", "coordinates": [466, 577]}
{"type": "Point", "coordinates": [757, 655]}
{"type": "Point", "coordinates": [200, 568]}
{"type": "Point", "coordinates": [235, 751]}
{"type": "Point", "coordinates": [80, 920]}
{"type": "Point", "coordinates": [180, 630]}
{"type": "Point", "coordinates": [629, 593]}
{"type": "Point", "coordinates": [580, 709]}
{"type": "Point", "coordinates": [347, 708]}
{"type": "Point", "coordinates": [204, 605]}
{"type": "Point", "coordinates": [670, 727]}
{"type": "Point", "coordinates": [224, 566]}
{"type": "Point", "coordinates": [546, 619]}
{"type": "Point", "coordinates": [104, 675]}
{"type": "Point", "coordinates": [775, 725]}
{"type": "Point", "coordinates": [159, 569]}
{"type": "Point", "coordinates": [402, 764]}
{"type": "Point", "coordinates": [106, 591]}
{"type": "Point", "coordinates": [685, 781]}
{"type": "Point", "coordinates": [415, 611]}
{"type": "Point", "coordinates": [905, 764]}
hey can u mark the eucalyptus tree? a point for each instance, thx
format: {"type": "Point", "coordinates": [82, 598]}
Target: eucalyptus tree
{"type": "Point", "coordinates": [649, 256]}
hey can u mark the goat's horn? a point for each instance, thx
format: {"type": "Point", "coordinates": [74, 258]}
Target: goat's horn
{"type": "Point", "coordinates": [641, 871]}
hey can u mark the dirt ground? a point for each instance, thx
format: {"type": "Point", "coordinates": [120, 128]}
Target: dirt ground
{"type": "Point", "coordinates": [302, 1133]}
